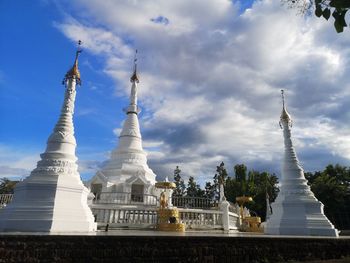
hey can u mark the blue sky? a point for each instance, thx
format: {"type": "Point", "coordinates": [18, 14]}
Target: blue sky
{"type": "Point", "coordinates": [210, 75]}
{"type": "Point", "coordinates": [35, 56]}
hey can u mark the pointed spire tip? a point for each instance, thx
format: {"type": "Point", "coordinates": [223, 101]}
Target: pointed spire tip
{"type": "Point", "coordinates": [285, 117]}
{"type": "Point", "coordinates": [74, 71]}
{"type": "Point", "coordinates": [134, 77]}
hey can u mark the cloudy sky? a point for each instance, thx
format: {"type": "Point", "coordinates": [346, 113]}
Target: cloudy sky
{"type": "Point", "coordinates": [210, 73]}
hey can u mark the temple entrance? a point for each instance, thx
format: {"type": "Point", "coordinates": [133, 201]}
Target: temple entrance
{"type": "Point", "coordinates": [96, 189]}
{"type": "Point", "coordinates": [137, 192]}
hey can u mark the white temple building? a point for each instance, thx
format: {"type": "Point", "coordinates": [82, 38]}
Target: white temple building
{"type": "Point", "coordinates": [125, 193]}
{"type": "Point", "coordinates": [296, 211]}
{"type": "Point", "coordinates": [53, 198]}
{"type": "Point", "coordinates": [127, 171]}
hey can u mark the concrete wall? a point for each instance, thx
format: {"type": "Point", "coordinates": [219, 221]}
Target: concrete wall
{"type": "Point", "coordinates": [59, 248]}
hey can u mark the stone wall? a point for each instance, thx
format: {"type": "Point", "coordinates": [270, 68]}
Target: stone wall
{"type": "Point", "coordinates": [59, 248]}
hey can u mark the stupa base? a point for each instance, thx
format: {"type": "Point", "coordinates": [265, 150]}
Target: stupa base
{"type": "Point", "coordinates": [302, 217]}
{"type": "Point", "coordinates": [295, 231]}
{"type": "Point", "coordinates": [48, 206]}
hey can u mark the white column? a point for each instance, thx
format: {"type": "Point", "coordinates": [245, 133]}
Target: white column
{"type": "Point", "coordinates": [224, 207]}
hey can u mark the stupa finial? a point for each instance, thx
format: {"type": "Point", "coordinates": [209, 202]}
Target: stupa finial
{"type": "Point", "coordinates": [74, 71]}
{"type": "Point", "coordinates": [134, 77]}
{"type": "Point", "coordinates": [285, 117]}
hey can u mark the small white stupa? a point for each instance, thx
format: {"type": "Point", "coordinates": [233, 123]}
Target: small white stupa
{"type": "Point", "coordinates": [53, 198]}
{"type": "Point", "coordinates": [127, 170]}
{"type": "Point", "coordinates": [296, 211]}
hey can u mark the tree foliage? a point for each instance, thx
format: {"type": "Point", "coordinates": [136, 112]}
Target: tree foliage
{"type": "Point", "coordinates": [326, 9]}
{"type": "Point", "coordinates": [194, 189]}
{"type": "Point", "coordinates": [338, 9]}
{"type": "Point", "coordinates": [219, 178]}
{"type": "Point", "coordinates": [256, 184]}
{"type": "Point", "coordinates": [209, 191]}
{"type": "Point", "coordinates": [7, 186]}
{"type": "Point", "coordinates": [252, 183]}
{"type": "Point", "coordinates": [180, 184]}
{"type": "Point", "coordinates": [332, 188]}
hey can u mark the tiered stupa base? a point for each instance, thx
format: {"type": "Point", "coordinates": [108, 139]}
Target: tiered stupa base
{"type": "Point", "coordinates": [301, 218]}
{"type": "Point", "coordinates": [48, 204]}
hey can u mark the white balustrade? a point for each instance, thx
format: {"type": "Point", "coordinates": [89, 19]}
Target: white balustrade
{"type": "Point", "coordinates": [233, 220]}
{"type": "Point", "coordinates": [5, 199]}
{"type": "Point", "coordinates": [125, 198]}
{"type": "Point", "coordinates": [192, 202]}
{"type": "Point", "coordinates": [201, 219]}
{"type": "Point", "coordinates": [125, 217]}
{"type": "Point", "coordinates": [147, 217]}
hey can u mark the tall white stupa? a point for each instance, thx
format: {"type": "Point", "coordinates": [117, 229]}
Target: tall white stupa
{"type": "Point", "coordinates": [127, 170]}
{"type": "Point", "coordinates": [296, 211]}
{"type": "Point", "coordinates": [53, 198]}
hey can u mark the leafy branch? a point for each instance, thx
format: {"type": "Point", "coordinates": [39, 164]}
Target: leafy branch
{"type": "Point", "coordinates": [323, 8]}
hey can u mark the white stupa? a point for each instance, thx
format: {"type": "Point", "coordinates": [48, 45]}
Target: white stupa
{"type": "Point", "coordinates": [53, 198]}
{"type": "Point", "coordinates": [296, 211]}
{"type": "Point", "coordinates": [127, 170]}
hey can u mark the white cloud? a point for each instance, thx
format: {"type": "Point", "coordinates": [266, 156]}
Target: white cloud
{"type": "Point", "coordinates": [210, 79]}
{"type": "Point", "coordinates": [16, 163]}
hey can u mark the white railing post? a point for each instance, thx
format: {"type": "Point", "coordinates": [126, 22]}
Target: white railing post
{"type": "Point", "coordinates": [224, 207]}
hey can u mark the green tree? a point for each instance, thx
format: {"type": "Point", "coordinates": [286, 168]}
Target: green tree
{"type": "Point", "coordinates": [261, 185]}
{"type": "Point", "coordinates": [332, 188]}
{"type": "Point", "coordinates": [256, 184]}
{"type": "Point", "coordinates": [180, 184]}
{"type": "Point", "coordinates": [311, 177]}
{"type": "Point", "coordinates": [219, 178]}
{"type": "Point", "coordinates": [241, 177]}
{"type": "Point", "coordinates": [340, 173]}
{"type": "Point", "coordinates": [330, 192]}
{"type": "Point", "coordinates": [232, 189]}
{"type": "Point", "coordinates": [209, 191]}
{"type": "Point", "coordinates": [193, 189]}
{"type": "Point", "coordinates": [7, 186]}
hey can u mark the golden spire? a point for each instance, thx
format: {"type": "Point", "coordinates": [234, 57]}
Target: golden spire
{"type": "Point", "coordinates": [285, 115]}
{"type": "Point", "coordinates": [74, 71]}
{"type": "Point", "coordinates": [134, 77]}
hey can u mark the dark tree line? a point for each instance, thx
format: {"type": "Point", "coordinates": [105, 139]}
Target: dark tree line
{"type": "Point", "coordinates": [259, 185]}
{"type": "Point", "coordinates": [330, 186]}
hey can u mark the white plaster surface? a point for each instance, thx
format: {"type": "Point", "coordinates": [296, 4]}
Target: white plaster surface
{"type": "Point", "coordinates": [296, 211]}
{"type": "Point", "coordinates": [128, 162]}
{"type": "Point", "coordinates": [53, 198]}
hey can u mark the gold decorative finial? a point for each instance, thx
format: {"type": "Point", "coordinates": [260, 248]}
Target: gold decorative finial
{"type": "Point", "coordinates": [285, 117]}
{"type": "Point", "coordinates": [74, 71]}
{"type": "Point", "coordinates": [134, 77]}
